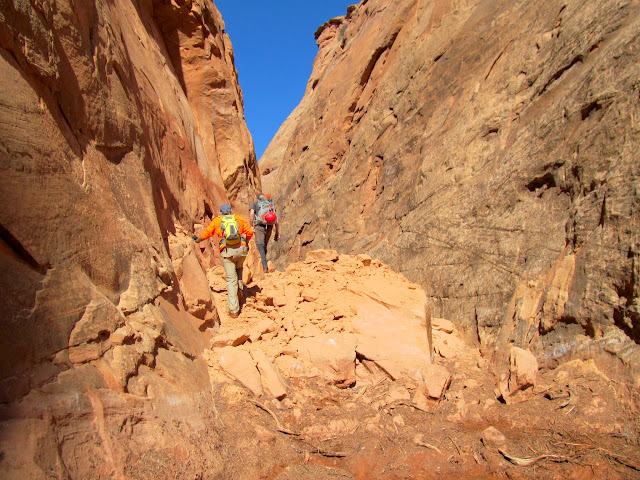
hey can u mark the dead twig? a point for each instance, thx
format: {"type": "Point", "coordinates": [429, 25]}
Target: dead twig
{"type": "Point", "coordinates": [360, 393]}
{"type": "Point", "coordinates": [619, 458]}
{"type": "Point", "coordinates": [321, 451]}
{"type": "Point", "coordinates": [412, 405]}
{"type": "Point", "coordinates": [418, 441]}
{"type": "Point", "coordinates": [384, 431]}
{"type": "Point", "coordinates": [279, 426]}
{"type": "Point", "coordinates": [625, 461]}
{"type": "Point", "coordinates": [455, 445]}
{"type": "Point", "coordinates": [574, 444]}
{"type": "Point", "coordinates": [565, 403]}
{"type": "Point", "coordinates": [432, 447]}
{"type": "Point", "coordinates": [525, 462]}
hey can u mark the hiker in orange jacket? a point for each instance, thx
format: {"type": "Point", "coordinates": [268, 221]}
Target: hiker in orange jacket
{"type": "Point", "coordinates": [234, 234]}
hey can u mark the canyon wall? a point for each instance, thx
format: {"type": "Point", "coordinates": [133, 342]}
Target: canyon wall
{"type": "Point", "coordinates": [487, 149]}
{"type": "Point", "coordinates": [121, 129]}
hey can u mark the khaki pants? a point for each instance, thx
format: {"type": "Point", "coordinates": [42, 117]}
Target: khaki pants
{"type": "Point", "coordinates": [232, 261]}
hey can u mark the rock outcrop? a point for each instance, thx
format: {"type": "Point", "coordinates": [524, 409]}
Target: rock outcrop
{"type": "Point", "coordinates": [121, 127]}
{"type": "Point", "coordinates": [487, 150]}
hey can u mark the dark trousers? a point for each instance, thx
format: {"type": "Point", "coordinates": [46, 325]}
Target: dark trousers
{"type": "Point", "coordinates": [263, 234]}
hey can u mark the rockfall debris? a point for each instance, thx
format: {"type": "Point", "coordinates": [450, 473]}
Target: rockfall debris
{"type": "Point", "coordinates": [335, 351]}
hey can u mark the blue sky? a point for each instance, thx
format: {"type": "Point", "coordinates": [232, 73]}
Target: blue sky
{"type": "Point", "coordinates": [274, 47]}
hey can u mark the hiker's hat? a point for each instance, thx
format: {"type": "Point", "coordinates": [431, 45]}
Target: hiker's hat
{"type": "Point", "coordinates": [225, 209]}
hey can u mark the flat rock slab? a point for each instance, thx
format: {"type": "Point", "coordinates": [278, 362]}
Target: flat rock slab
{"type": "Point", "coordinates": [394, 339]}
{"type": "Point", "coordinates": [333, 355]}
{"type": "Point", "coordinates": [241, 366]}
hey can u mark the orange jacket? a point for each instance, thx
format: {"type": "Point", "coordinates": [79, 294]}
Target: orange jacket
{"type": "Point", "coordinates": [214, 228]}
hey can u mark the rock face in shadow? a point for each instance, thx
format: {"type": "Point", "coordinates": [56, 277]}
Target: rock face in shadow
{"type": "Point", "coordinates": [485, 149]}
{"type": "Point", "coordinates": [121, 125]}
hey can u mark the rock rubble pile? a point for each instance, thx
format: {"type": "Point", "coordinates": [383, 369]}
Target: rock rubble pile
{"type": "Point", "coordinates": [338, 360]}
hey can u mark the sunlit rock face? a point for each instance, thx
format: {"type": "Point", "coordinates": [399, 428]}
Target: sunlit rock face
{"type": "Point", "coordinates": [487, 150]}
{"type": "Point", "coordinates": [121, 125]}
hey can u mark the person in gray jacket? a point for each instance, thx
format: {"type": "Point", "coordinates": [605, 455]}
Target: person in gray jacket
{"type": "Point", "coordinates": [264, 219]}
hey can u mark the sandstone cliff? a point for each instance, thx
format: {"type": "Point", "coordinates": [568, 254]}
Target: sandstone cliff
{"type": "Point", "coordinates": [121, 126]}
{"type": "Point", "coordinates": [488, 150]}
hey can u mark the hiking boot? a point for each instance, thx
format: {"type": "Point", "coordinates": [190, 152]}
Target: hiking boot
{"type": "Point", "coordinates": [265, 270]}
{"type": "Point", "coordinates": [234, 315]}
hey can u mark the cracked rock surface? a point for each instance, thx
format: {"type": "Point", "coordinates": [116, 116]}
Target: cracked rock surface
{"type": "Point", "coordinates": [486, 150]}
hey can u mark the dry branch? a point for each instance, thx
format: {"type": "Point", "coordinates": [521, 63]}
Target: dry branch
{"type": "Point", "coordinates": [525, 462]}
{"type": "Point", "coordinates": [432, 447]}
{"type": "Point", "coordinates": [279, 426]}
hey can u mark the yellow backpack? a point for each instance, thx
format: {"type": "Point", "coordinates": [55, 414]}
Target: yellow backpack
{"type": "Point", "coordinates": [230, 229]}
